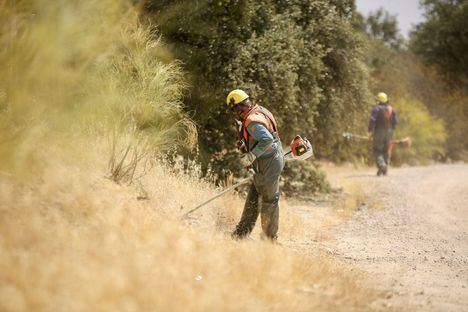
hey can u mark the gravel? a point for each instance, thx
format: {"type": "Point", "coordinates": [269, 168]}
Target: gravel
{"type": "Point", "coordinates": [416, 247]}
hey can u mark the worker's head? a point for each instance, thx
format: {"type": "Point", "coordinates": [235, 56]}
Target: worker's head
{"type": "Point", "coordinates": [382, 97]}
{"type": "Point", "coordinates": [238, 102]}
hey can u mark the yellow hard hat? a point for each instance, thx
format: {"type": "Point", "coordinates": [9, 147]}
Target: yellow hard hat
{"type": "Point", "coordinates": [235, 97]}
{"type": "Point", "coordinates": [382, 97]}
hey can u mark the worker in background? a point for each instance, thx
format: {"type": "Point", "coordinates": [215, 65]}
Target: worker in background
{"type": "Point", "coordinates": [382, 121]}
{"type": "Point", "coordinates": [262, 151]}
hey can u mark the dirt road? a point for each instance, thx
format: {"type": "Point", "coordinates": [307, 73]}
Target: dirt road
{"type": "Point", "coordinates": [415, 246]}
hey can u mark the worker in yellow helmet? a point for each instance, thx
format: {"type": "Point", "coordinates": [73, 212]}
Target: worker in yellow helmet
{"type": "Point", "coordinates": [261, 147]}
{"type": "Point", "coordinates": [382, 121]}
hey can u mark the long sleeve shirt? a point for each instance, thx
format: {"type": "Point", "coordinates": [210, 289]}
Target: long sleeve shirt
{"type": "Point", "coordinates": [379, 120]}
{"type": "Point", "coordinates": [263, 143]}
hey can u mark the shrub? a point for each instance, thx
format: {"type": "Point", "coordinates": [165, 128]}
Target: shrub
{"type": "Point", "coordinates": [300, 59]}
{"type": "Point", "coordinates": [304, 180]}
{"type": "Point", "coordinates": [75, 69]}
{"type": "Point", "coordinates": [427, 132]}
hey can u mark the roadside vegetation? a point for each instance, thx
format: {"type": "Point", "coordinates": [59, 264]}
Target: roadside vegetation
{"type": "Point", "coordinates": [318, 66]}
{"type": "Point", "coordinates": [81, 75]}
{"type": "Point", "coordinates": [430, 70]}
{"type": "Point", "coordinates": [90, 104]}
{"type": "Point", "coordinates": [113, 125]}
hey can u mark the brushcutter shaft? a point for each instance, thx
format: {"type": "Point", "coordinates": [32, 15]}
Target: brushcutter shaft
{"type": "Point", "coordinates": [246, 180]}
{"type": "Point", "coordinates": [348, 136]}
{"type": "Point", "coordinates": [288, 156]}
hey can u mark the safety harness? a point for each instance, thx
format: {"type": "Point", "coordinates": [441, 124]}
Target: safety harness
{"type": "Point", "coordinates": [263, 116]}
{"type": "Point", "coordinates": [386, 113]}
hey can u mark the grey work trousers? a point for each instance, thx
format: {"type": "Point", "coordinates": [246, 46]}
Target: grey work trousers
{"type": "Point", "coordinates": [265, 186]}
{"type": "Point", "coordinates": [381, 143]}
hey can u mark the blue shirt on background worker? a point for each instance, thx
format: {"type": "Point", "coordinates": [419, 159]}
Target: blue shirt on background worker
{"type": "Point", "coordinates": [382, 122]}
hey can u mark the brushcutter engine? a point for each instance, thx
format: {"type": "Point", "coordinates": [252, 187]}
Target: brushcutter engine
{"type": "Point", "coordinates": [301, 148]}
{"type": "Point", "coordinates": [405, 142]}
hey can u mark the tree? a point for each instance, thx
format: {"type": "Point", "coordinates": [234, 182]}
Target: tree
{"type": "Point", "coordinates": [442, 40]}
{"type": "Point", "coordinates": [383, 26]}
{"type": "Point", "coordinates": [301, 59]}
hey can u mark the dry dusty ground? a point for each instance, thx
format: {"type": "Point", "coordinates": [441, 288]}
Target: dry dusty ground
{"type": "Point", "coordinates": [414, 246]}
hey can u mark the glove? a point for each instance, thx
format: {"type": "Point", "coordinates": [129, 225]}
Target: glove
{"type": "Point", "coordinates": [241, 146]}
{"type": "Point", "coordinates": [247, 159]}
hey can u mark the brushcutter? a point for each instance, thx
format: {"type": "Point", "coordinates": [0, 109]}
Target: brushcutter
{"type": "Point", "coordinates": [348, 136]}
{"type": "Point", "coordinates": [301, 149]}
{"type": "Point", "coordinates": [405, 142]}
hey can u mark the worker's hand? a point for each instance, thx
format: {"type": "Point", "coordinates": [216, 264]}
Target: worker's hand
{"type": "Point", "coordinates": [247, 159]}
{"type": "Point", "coordinates": [241, 146]}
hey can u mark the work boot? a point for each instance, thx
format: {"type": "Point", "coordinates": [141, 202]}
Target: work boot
{"type": "Point", "coordinates": [265, 237]}
{"type": "Point", "coordinates": [239, 235]}
{"type": "Point", "coordinates": [379, 172]}
{"type": "Point", "coordinates": [384, 170]}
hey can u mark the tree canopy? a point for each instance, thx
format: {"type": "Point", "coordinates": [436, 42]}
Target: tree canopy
{"type": "Point", "coordinates": [303, 60]}
{"type": "Point", "coordinates": [442, 39]}
{"type": "Point", "coordinates": [383, 26]}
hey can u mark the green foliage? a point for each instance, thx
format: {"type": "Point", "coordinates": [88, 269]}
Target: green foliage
{"type": "Point", "coordinates": [382, 26]}
{"type": "Point", "coordinates": [417, 94]}
{"type": "Point", "coordinates": [74, 69]}
{"type": "Point", "coordinates": [442, 42]}
{"type": "Point", "coordinates": [442, 39]}
{"type": "Point", "coordinates": [444, 101]}
{"type": "Point", "coordinates": [417, 82]}
{"type": "Point", "coordinates": [300, 59]}
{"type": "Point", "coordinates": [427, 132]}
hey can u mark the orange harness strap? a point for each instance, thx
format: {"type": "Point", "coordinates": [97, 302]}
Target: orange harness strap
{"type": "Point", "coordinates": [388, 116]}
{"type": "Point", "coordinates": [261, 115]}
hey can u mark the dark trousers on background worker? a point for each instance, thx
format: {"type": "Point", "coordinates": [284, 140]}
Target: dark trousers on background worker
{"type": "Point", "coordinates": [380, 147]}
{"type": "Point", "coordinates": [263, 197]}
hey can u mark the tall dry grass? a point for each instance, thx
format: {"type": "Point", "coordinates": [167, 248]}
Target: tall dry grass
{"type": "Point", "coordinates": [78, 78]}
{"type": "Point", "coordinates": [84, 68]}
{"type": "Point", "coordinates": [81, 242]}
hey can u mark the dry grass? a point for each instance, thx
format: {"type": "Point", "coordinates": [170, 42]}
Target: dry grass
{"type": "Point", "coordinates": [76, 68]}
{"type": "Point", "coordinates": [73, 240]}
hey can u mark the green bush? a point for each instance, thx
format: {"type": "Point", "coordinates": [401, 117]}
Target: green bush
{"type": "Point", "coordinates": [402, 74]}
{"type": "Point", "coordinates": [427, 133]}
{"type": "Point", "coordinates": [304, 180]}
{"type": "Point", "coordinates": [301, 59]}
{"type": "Point", "coordinates": [442, 39]}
